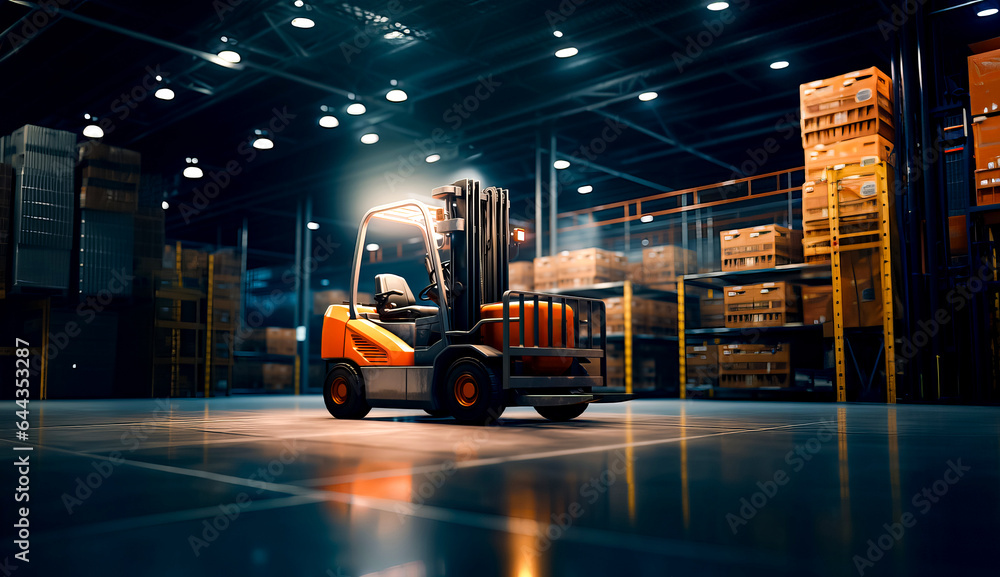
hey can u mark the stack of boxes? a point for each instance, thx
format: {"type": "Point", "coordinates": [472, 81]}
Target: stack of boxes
{"type": "Point", "coordinates": [109, 193]}
{"type": "Point", "coordinates": [755, 366]}
{"type": "Point", "coordinates": [521, 276]}
{"type": "Point", "coordinates": [772, 304]}
{"type": "Point", "coordinates": [847, 119]}
{"type": "Point", "coordinates": [589, 266]}
{"type": "Point", "coordinates": [649, 317]}
{"type": "Point", "coordinates": [984, 94]}
{"type": "Point", "coordinates": [702, 362]}
{"type": "Point", "coordinates": [42, 206]}
{"type": "Point", "coordinates": [760, 247]}
{"type": "Point", "coordinates": [545, 275]}
{"type": "Point", "coordinates": [661, 265]}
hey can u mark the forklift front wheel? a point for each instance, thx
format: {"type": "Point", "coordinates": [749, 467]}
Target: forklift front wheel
{"type": "Point", "coordinates": [344, 393]}
{"type": "Point", "coordinates": [473, 393]}
{"type": "Point", "coordinates": [561, 413]}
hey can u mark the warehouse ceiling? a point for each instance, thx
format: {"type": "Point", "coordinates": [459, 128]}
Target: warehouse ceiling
{"type": "Point", "coordinates": [482, 80]}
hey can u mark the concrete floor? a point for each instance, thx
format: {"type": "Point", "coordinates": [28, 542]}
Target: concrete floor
{"type": "Point", "coordinates": [655, 487]}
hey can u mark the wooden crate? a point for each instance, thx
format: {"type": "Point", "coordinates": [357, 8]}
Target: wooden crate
{"type": "Point", "coordinates": [987, 139]}
{"type": "Point", "coordinates": [870, 121]}
{"type": "Point", "coordinates": [663, 264]}
{"type": "Point", "coordinates": [760, 247]}
{"type": "Point", "coordinates": [984, 82]}
{"type": "Point", "coordinates": [741, 360]}
{"type": "Point", "coordinates": [546, 273]}
{"type": "Point", "coordinates": [521, 276]}
{"type": "Point", "coordinates": [740, 381]}
{"type": "Point", "coordinates": [713, 312]}
{"type": "Point", "coordinates": [589, 266]}
{"type": "Point", "coordinates": [771, 304]}
{"type": "Point", "coordinates": [702, 364]}
{"type": "Point", "coordinates": [841, 94]}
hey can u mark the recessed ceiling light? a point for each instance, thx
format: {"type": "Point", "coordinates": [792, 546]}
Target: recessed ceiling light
{"type": "Point", "coordinates": [312, 225]}
{"type": "Point", "coordinates": [987, 12]}
{"type": "Point", "coordinates": [164, 94]}
{"type": "Point", "coordinates": [87, 116]}
{"type": "Point", "coordinates": [193, 172]}
{"type": "Point", "coordinates": [329, 121]}
{"type": "Point", "coordinates": [779, 65]}
{"type": "Point", "coordinates": [356, 109]}
{"type": "Point", "coordinates": [302, 23]}
{"type": "Point", "coordinates": [560, 164]}
{"type": "Point", "coordinates": [159, 78]}
{"type": "Point", "coordinates": [646, 218]}
{"type": "Point", "coordinates": [396, 95]}
{"type": "Point", "coordinates": [647, 96]}
{"type": "Point", "coordinates": [716, 6]}
{"type": "Point", "coordinates": [566, 52]}
{"type": "Point", "coordinates": [299, 3]}
{"type": "Point", "coordinates": [372, 247]}
{"type": "Point", "coordinates": [263, 143]}
{"type": "Point", "coordinates": [164, 205]}
{"type": "Point", "coordinates": [557, 33]}
{"type": "Point", "coordinates": [370, 138]}
{"type": "Point", "coordinates": [230, 56]}
{"type": "Point", "coordinates": [433, 158]}
{"type": "Point", "coordinates": [585, 189]}
{"type": "Point", "coordinates": [93, 131]}
{"type": "Point", "coordinates": [393, 35]}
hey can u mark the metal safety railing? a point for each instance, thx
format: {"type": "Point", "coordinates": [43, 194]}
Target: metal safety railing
{"type": "Point", "coordinates": [591, 342]}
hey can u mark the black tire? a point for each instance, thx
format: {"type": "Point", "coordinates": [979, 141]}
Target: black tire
{"type": "Point", "coordinates": [561, 413]}
{"type": "Point", "coordinates": [437, 412]}
{"type": "Point", "coordinates": [344, 393]}
{"type": "Point", "coordinates": [473, 393]}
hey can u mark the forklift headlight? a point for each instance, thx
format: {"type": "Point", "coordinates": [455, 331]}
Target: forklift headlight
{"type": "Point", "coordinates": [518, 235]}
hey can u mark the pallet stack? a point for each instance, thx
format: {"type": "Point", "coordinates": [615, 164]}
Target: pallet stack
{"type": "Point", "coordinates": [771, 304]}
{"type": "Point", "coordinates": [649, 317]}
{"type": "Point", "coordinates": [984, 95]}
{"type": "Point", "coordinates": [545, 273]}
{"type": "Point", "coordinates": [702, 364]}
{"type": "Point", "coordinates": [661, 265]}
{"type": "Point", "coordinates": [846, 119]}
{"type": "Point", "coordinates": [521, 276]}
{"type": "Point", "coordinates": [589, 266]}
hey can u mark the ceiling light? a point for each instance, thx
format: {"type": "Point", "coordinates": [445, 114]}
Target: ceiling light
{"type": "Point", "coordinates": [312, 225]}
{"type": "Point", "coordinates": [370, 138]}
{"type": "Point", "coordinates": [433, 158]}
{"type": "Point", "coordinates": [224, 39]}
{"type": "Point", "coordinates": [262, 140]}
{"type": "Point", "coordinates": [557, 33]}
{"type": "Point", "coordinates": [396, 95]}
{"type": "Point", "coordinates": [230, 56]}
{"type": "Point", "coordinates": [560, 164]}
{"type": "Point", "coordinates": [329, 121]}
{"type": "Point", "coordinates": [302, 23]}
{"type": "Point", "coordinates": [647, 96]}
{"type": "Point", "coordinates": [164, 205]}
{"type": "Point", "coordinates": [164, 94]}
{"type": "Point", "coordinates": [585, 189]}
{"type": "Point", "coordinates": [87, 116]}
{"type": "Point", "coordinates": [393, 35]}
{"type": "Point", "coordinates": [566, 52]}
{"type": "Point", "coordinates": [779, 65]}
{"type": "Point", "coordinates": [299, 3]}
{"type": "Point", "coordinates": [373, 247]}
{"type": "Point", "coordinates": [159, 78]}
{"type": "Point", "coordinates": [987, 12]}
{"type": "Point", "coordinates": [646, 218]}
{"type": "Point", "coordinates": [193, 172]}
{"type": "Point", "coordinates": [716, 6]}
{"type": "Point", "coordinates": [356, 109]}
{"type": "Point", "coordinates": [93, 131]}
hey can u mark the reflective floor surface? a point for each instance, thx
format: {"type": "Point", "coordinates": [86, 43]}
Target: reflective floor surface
{"type": "Point", "coordinates": [275, 486]}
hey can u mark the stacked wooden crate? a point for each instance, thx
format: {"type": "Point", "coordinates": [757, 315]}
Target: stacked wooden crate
{"type": "Point", "coordinates": [759, 247]}
{"type": "Point", "coordinates": [984, 95]}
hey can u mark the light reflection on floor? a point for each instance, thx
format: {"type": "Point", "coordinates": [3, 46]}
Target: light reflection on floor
{"type": "Point", "coordinates": [274, 486]}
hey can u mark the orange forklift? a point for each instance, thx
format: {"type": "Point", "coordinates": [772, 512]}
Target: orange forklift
{"type": "Point", "coordinates": [479, 347]}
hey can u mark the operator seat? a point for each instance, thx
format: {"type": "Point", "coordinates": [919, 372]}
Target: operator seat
{"type": "Point", "coordinates": [395, 302]}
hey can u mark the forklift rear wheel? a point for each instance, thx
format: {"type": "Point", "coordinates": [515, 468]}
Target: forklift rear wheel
{"type": "Point", "coordinates": [562, 412]}
{"type": "Point", "coordinates": [437, 412]}
{"type": "Point", "coordinates": [473, 393]}
{"type": "Point", "coordinates": [344, 393]}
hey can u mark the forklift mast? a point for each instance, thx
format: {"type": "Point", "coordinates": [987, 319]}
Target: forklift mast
{"type": "Point", "coordinates": [479, 228]}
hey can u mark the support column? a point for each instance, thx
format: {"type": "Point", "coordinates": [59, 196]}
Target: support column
{"type": "Point", "coordinates": [306, 302]}
{"type": "Point", "coordinates": [553, 192]}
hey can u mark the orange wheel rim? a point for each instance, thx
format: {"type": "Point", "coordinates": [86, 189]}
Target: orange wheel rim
{"type": "Point", "coordinates": [466, 390]}
{"type": "Point", "coordinates": [338, 392]}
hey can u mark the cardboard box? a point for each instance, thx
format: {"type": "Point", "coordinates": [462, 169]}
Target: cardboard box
{"type": "Point", "coordinates": [278, 376]}
{"type": "Point", "coordinates": [760, 247]}
{"type": "Point", "coordinates": [546, 273]}
{"type": "Point", "coordinates": [649, 317]}
{"type": "Point", "coordinates": [862, 281]}
{"type": "Point", "coordinates": [663, 264]}
{"type": "Point", "coordinates": [865, 151]}
{"type": "Point", "coordinates": [747, 366]}
{"type": "Point", "coordinates": [702, 364]}
{"type": "Point", "coordinates": [521, 276]}
{"type": "Point", "coordinates": [590, 266]}
{"type": "Point", "coordinates": [713, 312]}
{"type": "Point", "coordinates": [109, 177]}
{"type": "Point", "coordinates": [771, 304]}
{"type": "Point", "coordinates": [817, 304]}
{"type": "Point", "coordinates": [984, 82]}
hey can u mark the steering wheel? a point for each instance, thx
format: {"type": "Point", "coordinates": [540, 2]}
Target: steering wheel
{"type": "Point", "coordinates": [430, 292]}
